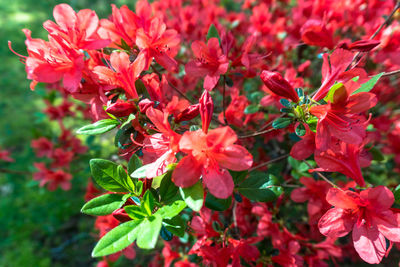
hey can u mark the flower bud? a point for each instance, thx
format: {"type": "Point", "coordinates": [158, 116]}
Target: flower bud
{"type": "Point", "coordinates": [121, 215]}
{"type": "Point", "coordinates": [187, 114]}
{"type": "Point", "coordinates": [277, 84]}
{"type": "Point", "coordinates": [364, 45]}
{"type": "Point", "coordinates": [206, 110]}
{"type": "Point", "coordinates": [120, 108]}
{"type": "Point", "coordinates": [145, 104]}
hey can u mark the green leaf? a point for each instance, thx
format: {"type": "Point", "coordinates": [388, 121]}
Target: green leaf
{"type": "Point", "coordinates": [122, 139]}
{"type": "Point", "coordinates": [141, 171]}
{"type": "Point", "coordinates": [165, 234]}
{"type": "Point", "coordinates": [366, 87]}
{"type": "Point", "coordinates": [300, 130]}
{"type": "Point", "coordinates": [149, 232]}
{"type": "Point", "coordinates": [124, 179]}
{"type": "Point", "coordinates": [193, 196]}
{"type": "Point", "coordinates": [170, 211]}
{"type": "Point", "coordinates": [396, 194]}
{"type": "Point", "coordinates": [238, 176]}
{"type": "Point", "coordinates": [103, 205]}
{"type": "Point", "coordinates": [117, 239]}
{"type": "Point", "coordinates": [135, 212]}
{"type": "Point", "coordinates": [134, 163]}
{"type": "Point", "coordinates": [175, 225]}
{"type": "Point", "coordinates": [217, 204]}
{"type": "Point", "coordinates": [251, 109]}
{"type": "Point", "coordinates": [128, 121]}
{"type": "Point", "coordinates": [105, 173]}
{"type": "Point", "coordinates": [213, 33]}
{"type": "Point", "coordinates": [257, 188]}
{"type": "Point", "coordinates": [281, 123]}
{"type": "Point", "coordinates": [285, 103]}
{"type": "Point", "coordinates": [139, 188]}
{"type": "Point", "coordinates": [168, 189]}
{"type": "Point", "coordinates": [376, 154]}
{"type": "Point", "coordinates": [148, 202]}
{"type": "Point", "coordinates": [99, 127]}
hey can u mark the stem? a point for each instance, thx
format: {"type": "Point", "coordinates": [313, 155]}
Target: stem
{"type": "Point", "coordinates": [391, 73]}
{"type": "Point", "coordinates": [322, 176]}
{"type": "Point", "coordinates": [386, 22]}
{"type": "Point", "coordinates": [2, 170]}
{"type": "Point", "coordinates": [173, 86]}
{"type": "Point", "coordinates": [256, 133]}
{"type": "Point", "coordinates": [269, 162]}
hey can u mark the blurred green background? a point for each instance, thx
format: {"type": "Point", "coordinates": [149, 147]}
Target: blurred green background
{"type": "Point", "coordinates": [38, 227]}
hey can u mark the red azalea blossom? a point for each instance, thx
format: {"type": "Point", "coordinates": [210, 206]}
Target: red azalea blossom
{"type": "Point", "coordinates": [210, 63]}
{"type": "Point", "coordinates": [368, 215]}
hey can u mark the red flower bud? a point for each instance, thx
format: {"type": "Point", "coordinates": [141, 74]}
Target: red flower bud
{"type": "Point", "coordinates": [277, 84]}
{"type": "Point", "coordinates": [121, 215]}
{"type": "Point", "coordinates": [145, 104]}
{"type": "Point", "coordinates": [206, 110]}
{"type": "Point", "coordinates": [121, 108]}
{"type": "Point", "coordinates": [364, 45]}
{"type": "Point", "coordinates": [189, 113]}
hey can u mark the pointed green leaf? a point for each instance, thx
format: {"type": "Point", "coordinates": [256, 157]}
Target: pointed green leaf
{"type": "Point", "coordinates": [368, 86]}
{"type": "Point", "coordinates": [217, 204]}
{"type": "Point", "coordinates": [251, 109]}
{"type": "Point", "coordinates": [98, 127]}
{"type": "Point", "coordinates": [148, 202]}
{"type": "Point", "coordinates": [134, 163]}
{"type": "Point", "coordinates": [170, 211]}
{"type": "Point", "coordinates": [175, 225]}
{"type": "Point", "coordinates": [257, 188]}
{"type": "Point", "coordinates": [213, 33]}
{"type": "Point", "coordinates": [103, 205]}
{"type": "Point", "coordinates": [281, 123]}
{"type": "Point", "coordinates": [141, 171]}
{"type": "Point", "coordinates": [117, 239]}
{"type": "Point", "coordinates": [105, 173]}
{"type": "Point", "coordinates": [193, 196]}
{"type": "Point", "coordinates": [149, 232]}
{"type": "Point", "coordinates": [168, 189]}
{"type": "Point", "coordinates": [135, 212]}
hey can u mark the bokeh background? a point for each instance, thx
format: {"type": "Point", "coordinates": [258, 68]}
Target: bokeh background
{"type": "Point", "coordinates": [38, 227]}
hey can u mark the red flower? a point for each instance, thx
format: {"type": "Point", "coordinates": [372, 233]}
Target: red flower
{"type": "Point", "coordinates": [43, 147]}
{"type": "Point", "coordinates": [314, 32]}
{"type": "Point", "coordinates": [343, 158]}
{"type": "Point", "coordinates": [53, 179]}
{"type": "Point", "coordinates": [160, 148]}
{"type": "Point", "coordinates": [5, 155]}
{"type": "Point", "coordinates": [314, 192]}
{"type": "Point", "coordinates": [159, 43]}
{"type": "Point", "coordinates": [49, 62]}
{"type": "Point", "coordinates": [210, 62]}
{"type": "Point", "coordinates": [368, 214]}
{"type": "Point", "coordinates": [78, 29]}
{"type": "Point", "coordinates": [124, 75]}
{"type": "Point", "coordinates": [210, 155]}
{"type": "Point", "coordinates": [341, 117]}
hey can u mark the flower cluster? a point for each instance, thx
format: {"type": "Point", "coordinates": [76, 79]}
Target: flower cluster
{"type": "Point", "coordinates": [218, 112]}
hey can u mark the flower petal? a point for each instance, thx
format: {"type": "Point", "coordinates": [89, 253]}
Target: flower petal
{"type": "Point", "coordinates": [369, 243]}
{"type": "Point", "coordinates": [336, 222]}
{"type": "Point", "coordinates": [187, 172]}
{"type": "Point", "coordinates": [218, 181]}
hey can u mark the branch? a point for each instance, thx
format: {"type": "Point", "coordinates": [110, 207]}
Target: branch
{"type": "Point", "coordinates": [322, 176]}
{"type": "Point", "coordinates": [391, 73]}
{"type": "Point", "coordinates": [386, 22]}
{"type": "Point", "coordinates": [15, 171]}
{"type": "Point", "coordinates": [256, 133]}
{"type": "Point", "coordinates": [269, 162]}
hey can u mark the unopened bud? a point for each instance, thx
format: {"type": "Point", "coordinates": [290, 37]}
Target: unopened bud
{"type": "Point", "coordinates": [121, 108]}
{"type": "Point", "coordinates": [188, 113]}
{"type": "Point", "coordinates": [277, 84]}
{"type": "Point", "coordinates": [145, 104]}
{"type": "Point", "coordinates": [206, 110]}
